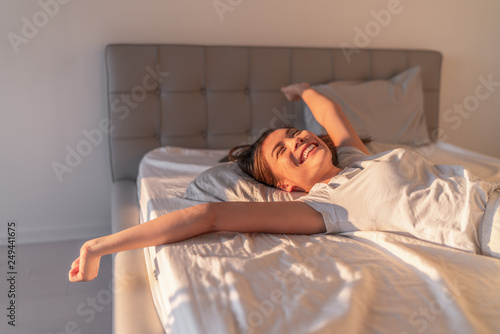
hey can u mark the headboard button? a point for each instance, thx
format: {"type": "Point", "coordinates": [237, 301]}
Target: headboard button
{"type": "Point", "coordinates": [204, 134]}
{"type": "Point", "coordinates": [157, 92]}
{"type": "Point", "coordinates": [203, 91]}
{"type": "Point", "coordinates": [247, 91]}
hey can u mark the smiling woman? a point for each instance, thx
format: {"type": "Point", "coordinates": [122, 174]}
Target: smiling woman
{"type": "Point", "coordinates": [360, 192]}
{"type": "Point", "coordinates": [288, 159]}
{"type": "Point", "coordinates": [299, 159]}
{"type": "Point", "coordinates": [295, 160]}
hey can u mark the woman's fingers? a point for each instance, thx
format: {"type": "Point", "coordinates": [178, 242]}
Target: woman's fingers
{"type": "Point", "coordinates": [85, 267]}
{"type": "Point", "coordinates": [75, 263]}
{"type": "Point", "coordinates": [294, 92]}
{"type": "Point", "coordinates": [75, 271]}
{"type": "Point", "coordinates": [289, 94]}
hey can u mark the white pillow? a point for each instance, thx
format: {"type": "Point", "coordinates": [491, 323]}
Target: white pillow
{"type": "Point", "coordinates": [390, 111]}
{"type": "Point", "coordinates": [228, 183]}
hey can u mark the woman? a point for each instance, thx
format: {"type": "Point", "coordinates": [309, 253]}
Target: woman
{"type": "Point", "coordinates": [378, 194]}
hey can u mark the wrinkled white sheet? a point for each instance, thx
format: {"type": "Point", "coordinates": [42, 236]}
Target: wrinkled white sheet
{"type": "Point", "coordinates": [362, 282]}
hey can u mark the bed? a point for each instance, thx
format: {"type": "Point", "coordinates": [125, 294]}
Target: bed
{"type": "Point", "coordinates": [175, 110]}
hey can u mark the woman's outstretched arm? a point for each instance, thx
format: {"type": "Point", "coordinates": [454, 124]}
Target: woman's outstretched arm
{"type": "Point", "coordinates": [168, 228]}
{"type": "Point", "coordinates": [328, 114]}
{"type": "Point", "coordinates": [266, 217]}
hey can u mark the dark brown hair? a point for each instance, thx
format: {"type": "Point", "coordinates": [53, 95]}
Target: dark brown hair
{"type": "Point", "coordinates": [251, 160]}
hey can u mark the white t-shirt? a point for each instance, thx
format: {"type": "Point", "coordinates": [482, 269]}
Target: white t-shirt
{"type": "Point", "coordinates": [400, 191]}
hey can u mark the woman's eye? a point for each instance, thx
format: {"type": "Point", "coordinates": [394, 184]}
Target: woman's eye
{"type": "Point", "coordinates": [295, 133]}
{"type": "Point", "coordinates": [280, 150]}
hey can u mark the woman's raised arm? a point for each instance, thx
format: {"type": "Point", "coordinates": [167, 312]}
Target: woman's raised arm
{"type": "Point", "coordinates": [328, 114]}
{"type": "Point", "coordinates": [266, 217]}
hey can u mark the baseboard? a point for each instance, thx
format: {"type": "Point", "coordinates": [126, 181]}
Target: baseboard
{"type": "Point", "coordinates": [58, 234]}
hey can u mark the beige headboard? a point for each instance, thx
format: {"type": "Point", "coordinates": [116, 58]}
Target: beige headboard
{"type": "Point", "coordinates": [220, 96]}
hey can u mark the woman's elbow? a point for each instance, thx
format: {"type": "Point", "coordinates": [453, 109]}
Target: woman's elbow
{"type": "Point", "coordinates": [225, 216]}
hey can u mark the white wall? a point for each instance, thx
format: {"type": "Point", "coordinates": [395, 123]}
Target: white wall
{"type": "Point", "coordinates": [53, 88]}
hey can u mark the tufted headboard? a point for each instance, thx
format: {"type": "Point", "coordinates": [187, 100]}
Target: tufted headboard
{"type": "Point", "coordinates": [221, 96]}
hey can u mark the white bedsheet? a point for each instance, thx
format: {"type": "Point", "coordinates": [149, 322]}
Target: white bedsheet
{"type": "Point", "coordinates": [362, 282]}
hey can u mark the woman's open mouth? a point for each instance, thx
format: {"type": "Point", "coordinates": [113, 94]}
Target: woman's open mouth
{"type": "Point", "coordinates": [307, 150]}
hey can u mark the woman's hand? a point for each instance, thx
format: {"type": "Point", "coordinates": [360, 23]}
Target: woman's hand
{"type": "Point", "coordinates": [85, 267]}
{"type": "Point", "coordinates": [294, 92]}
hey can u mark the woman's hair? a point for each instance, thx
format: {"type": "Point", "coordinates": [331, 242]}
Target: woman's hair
{"type": "Point", "coordinates": [251, 160]}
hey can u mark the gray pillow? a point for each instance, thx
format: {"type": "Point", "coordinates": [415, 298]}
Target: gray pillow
{"type": "Point", "coordinates": [228, 183]}
{"type": "Point", "coordinates": [390, 111]}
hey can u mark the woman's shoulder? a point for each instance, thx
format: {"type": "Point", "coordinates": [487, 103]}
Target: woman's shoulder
{"type": "Point", "coordinates": [347, 155]}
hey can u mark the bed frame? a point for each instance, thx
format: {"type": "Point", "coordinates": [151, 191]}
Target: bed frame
{"type": "Point", "coordinates": [215, 97]}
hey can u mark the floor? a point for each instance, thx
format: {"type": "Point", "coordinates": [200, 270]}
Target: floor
{"type": "Point", "coordinates": [46, 302]}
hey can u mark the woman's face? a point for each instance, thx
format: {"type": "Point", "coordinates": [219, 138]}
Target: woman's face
{"type": "Point", "coordinates": [299, 159]}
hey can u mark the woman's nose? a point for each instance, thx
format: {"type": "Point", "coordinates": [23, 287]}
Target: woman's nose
{"type": "Point", "coordinates": [297, 142]}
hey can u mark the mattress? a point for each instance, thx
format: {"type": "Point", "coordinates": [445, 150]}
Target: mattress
{"type": "Point", "coordinates": [275, 283]}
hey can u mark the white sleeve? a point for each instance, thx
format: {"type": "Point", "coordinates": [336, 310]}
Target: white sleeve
{"type": "Point", "coordinates": [347, 155]}
{"type": "Point", "coordinates": [319, 199]}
